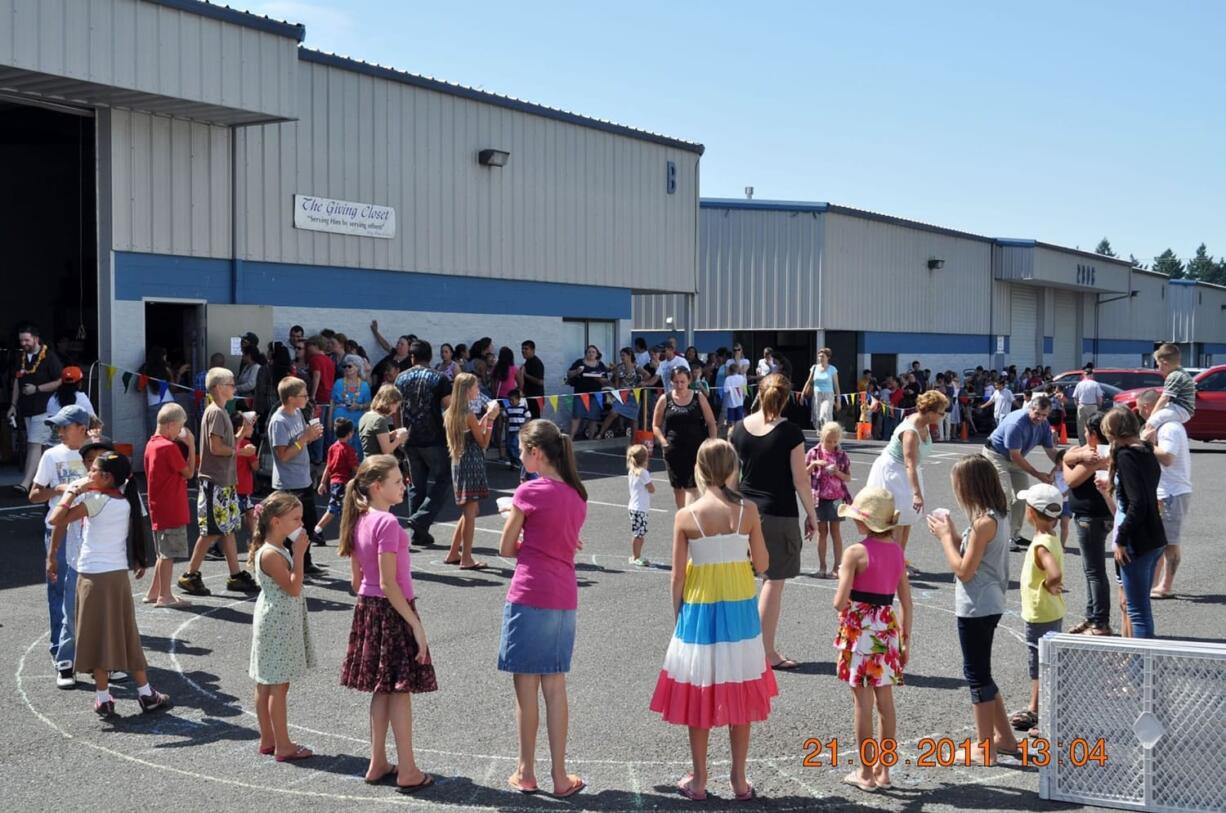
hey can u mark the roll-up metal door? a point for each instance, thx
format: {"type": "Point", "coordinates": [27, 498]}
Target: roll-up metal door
{"type": "Point", "coordinates": [1024, 320]}
{"type": "Point", "coordinates": [1065, 338]}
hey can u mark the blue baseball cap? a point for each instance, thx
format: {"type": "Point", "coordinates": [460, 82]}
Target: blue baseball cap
{"type": "Point", "coordinates": [69, 414]}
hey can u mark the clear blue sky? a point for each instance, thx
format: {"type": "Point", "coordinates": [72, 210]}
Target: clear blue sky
{"type": "Point", "coordinates": [1060, 121]}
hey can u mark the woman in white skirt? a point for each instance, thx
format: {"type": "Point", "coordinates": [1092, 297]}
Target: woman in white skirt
{"type": "Point", "coordinates": [897, 469]}
{"type": "Point", "coordinates": [823, 388]}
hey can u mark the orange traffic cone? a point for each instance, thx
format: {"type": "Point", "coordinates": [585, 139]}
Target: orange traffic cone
{"type": "Point", "coordinates": [966, 435]}
{"type": "Point", "coordinates": [1063, 433]}
{"type": "Point", "coordinates": [864, 430]}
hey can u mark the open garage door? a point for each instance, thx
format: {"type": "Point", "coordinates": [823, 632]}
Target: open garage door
{"type": "Point", "coordinates": [1023, 321]}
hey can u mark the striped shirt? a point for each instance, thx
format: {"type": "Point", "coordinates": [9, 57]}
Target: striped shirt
{"type": "Point", "coordinates": [1180, 390]}
{"type": "Point", "coordinates": [517, 416]}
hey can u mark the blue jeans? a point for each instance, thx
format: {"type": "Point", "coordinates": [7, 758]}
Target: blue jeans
{"type": "Point", "coordinates": [1092, 539]}
{"type": "Point", "coordinates": [975, 638]}
{"type": "Point", "coordinates": [513, 448]}
{"type": "Point", "coordinates": [430, 469]}
{"type": "Point", "coordinates": [62, 607]}
{"type": "Point", "coordinates": [1138, 579]}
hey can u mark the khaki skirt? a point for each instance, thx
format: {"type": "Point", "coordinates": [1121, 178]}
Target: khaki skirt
{"type": "Point", "coordinates": [107, 637]}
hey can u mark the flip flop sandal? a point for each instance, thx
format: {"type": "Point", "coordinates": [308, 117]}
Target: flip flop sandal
{"type": "Point", "coordinates": [474, 566]}
{"type": "Point", "coordinates": [1159, 595]}
{"type": "Point", "coordinates": [426, 782]}
{"type": "Point", "coordinates": [747, 795]}
{"type": "Point", "coordinates": [785, 665]}
{"type": "Point", "coordinates": [267, 750]}
{"type": "Point", "coordinates": [521, 786]}
{"type": "Point", "coordinates": [686, 790]}
{"type": "Point", "coordinates": [392, 771]}
{"type": "Point", "coordinates": [451, 561]}
{"type": "Point", "coordinates": [300, 753]}
{"type": "Point", "coordinates": [572, 790]}
{"type": "Point", "coordinates": [855, 781]}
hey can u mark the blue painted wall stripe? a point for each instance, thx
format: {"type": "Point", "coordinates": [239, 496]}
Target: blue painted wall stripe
{"type": "Point", "coordinates": [1212, 347]}
{"type": "Point", "coordinates": [1049, 344]}
{"type": "Point", "coordinates": [880, 342]}
{"type": "Point", "coordinates": [1118, 346]}
{"type": "Point", "coordinates": [315, 286]}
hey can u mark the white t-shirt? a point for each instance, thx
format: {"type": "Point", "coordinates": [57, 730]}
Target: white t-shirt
{"type": "Point", "coordinates": [765, 368]}
{"type": "Point", "coordinates": [82, 400]}
{"type": "Point", "coordinates": [734, 390]}
{"type": "Point", "coordinates": [104, 545]}
{"type": "Point", "coordinates": [1003, 400]}
{"type": "Point", "coordinates": [642, 359]}
{"type": "Point", "coordinates": [60, 465]}
{"type": "Point", "coordinates": [1176, 478]}
{"type": "Point", "coordinates": [666, 369]}
{"type": "Point", "coordinates": [640, 500]}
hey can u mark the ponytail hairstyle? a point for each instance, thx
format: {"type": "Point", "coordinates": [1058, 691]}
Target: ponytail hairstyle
{"type": "Point", "coordinates": [545, 437]}
{"type": "Point", "coordinates": [717, 462]}
{"type": "Point", "coordinates": [276, 504]}
{"type": "Point", "coordinates": [374, 469]}
{"type": "Point", "coordinates": [455, 419]}
{"type": "Point", "coordinates": [773, 394]}
{"type": "Point", "coordinates": [119, 469]}
{"type": "Point", "coordinates": [636, 459]}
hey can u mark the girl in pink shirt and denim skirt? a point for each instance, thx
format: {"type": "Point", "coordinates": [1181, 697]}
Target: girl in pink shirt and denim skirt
{"type": "Point", "coordinates": [538, 622]}
{"type": "Point", "coordinates": [388, 654]}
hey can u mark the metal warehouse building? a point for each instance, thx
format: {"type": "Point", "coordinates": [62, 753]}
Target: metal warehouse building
{"type": "Point", "coordinates": [882, 291]}
{"type": "Point", "coordinates": [179, 173]}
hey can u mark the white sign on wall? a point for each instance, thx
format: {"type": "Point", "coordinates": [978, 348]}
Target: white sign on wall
{"type": "Point", "coordinates": [344, 217]}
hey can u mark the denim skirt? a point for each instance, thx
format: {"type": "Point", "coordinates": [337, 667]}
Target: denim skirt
{"type": "Point", "coordinates": [536, 641]}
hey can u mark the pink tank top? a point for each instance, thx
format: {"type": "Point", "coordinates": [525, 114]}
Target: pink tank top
{"type": "Point", "coordinates": [885, 567]}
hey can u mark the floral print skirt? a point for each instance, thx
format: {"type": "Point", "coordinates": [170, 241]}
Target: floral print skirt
{"type": "Point", "coordinates": [868, 642]}
{"type": "Point", "coordinates": [382, 653]}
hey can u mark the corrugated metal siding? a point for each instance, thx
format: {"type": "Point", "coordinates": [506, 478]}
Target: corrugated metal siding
{"type": "Point", "coordinates": [1182, 306]}
{"type": "Point", "coordinates": [170, 191]}
{"type": "Point", "coordinates": [573, 205]}
{"type": "Point", "coordinates": [149, 49]}
{"type": "Point", "coordinates": [1024, 345]}
{"type": "Point", "coordinates": [650, 310]}
{"type": "Point", "coordinates": [1144, 317]}
{"type": "Point", "coordinates": [1014, 263]}
{"type": "Point", "coordinates": [1210, 318]}
{"type": "Point", "coordinates": [876, 276]}
{"type": "Point", "coordinates": [1066, 344]}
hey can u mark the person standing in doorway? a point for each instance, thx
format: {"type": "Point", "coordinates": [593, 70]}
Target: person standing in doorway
{"type": "Point", "coordinates": [823, 388]}
{"type": "Point", "coordinates": [1006, 449]}
{"type": "Point", "coordinates": [37, 376]}
{"type": "Point", "coordinates": [532, 377]}
{"type": "Point", "coordinates": [425, 393]}
{"type": "Point", "coordinates": [1088, 396]}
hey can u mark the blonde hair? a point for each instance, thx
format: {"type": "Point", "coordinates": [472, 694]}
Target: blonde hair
{"type": "Point", "coordinates": [216, 376]}
{"type": "Point", "coordinates": [831, 428]}
{"type": "Point", "coordinates": [773, 394]}
{"type": "Point", "coordinates": [171, 413]}
{"type": "Point", "coordinates": [932, 401]}
{"type": "Point", "coordinates": [977, 487]}
{"type": "Point", "coordinates": [455, 419]}
{"type": "Point", "coordinates": [276, 504]}
{"type": "Point", "coordinates": [385, 399]}
{"type": "Point", "coordinates": [1120, 423]}
{"type": "Point", "coordinates": [636, 459]}
{"type": "Point", "coordinates": [374, 469]}
{"type": "Point", "coordinates": [289, 387]}
{"type": "Point", "coordinates": [717, 462]}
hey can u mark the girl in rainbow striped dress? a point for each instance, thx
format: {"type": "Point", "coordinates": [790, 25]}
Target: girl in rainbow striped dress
{"type": "Point", "coordinates": [715, 672]}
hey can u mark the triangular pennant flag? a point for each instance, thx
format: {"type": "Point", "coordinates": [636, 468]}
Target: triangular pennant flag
{"type": "Point", "coordinates": [586, 399]}
{"type": "Point", "coordinates": [110, 375]}
{"type": "Point", "coordinates": [553, 402]}
{"type": "Point", "coordinates": [618, 395]}
{"type": "Point", "coordinates": [540, 401]}
{"type": "Point", "coordinates": [126, 378]}
{"type": "Point", "coordinates": [163, 388]}
{"type": "Point", "coordinates": [142, 383]}
{"type": "Point", "coordinates": [599, 400]}
{"type": "Point", "coordinates": [638, 393]}
{"type": "Point", "coordinates": [199, 396]}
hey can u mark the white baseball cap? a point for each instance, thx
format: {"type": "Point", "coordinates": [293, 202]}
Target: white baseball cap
{"type": "Point", "coordinates": [1045, 499]}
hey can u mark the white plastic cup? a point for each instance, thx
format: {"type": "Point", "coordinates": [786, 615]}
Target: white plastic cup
{"type": "Point", "coordinates": [1100, 476]}
{"type": "Point", "coordinates": [941, 514]}
{"type": "Point", "coordinates": [315, 422]}
{"type": "Point", "coordinates": [504, 504]}
{"type": "Point", "coordinates": [249, 416]}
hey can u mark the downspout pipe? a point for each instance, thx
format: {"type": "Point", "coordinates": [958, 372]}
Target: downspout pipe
{"type": "Point", "coordinates": [236, 264]}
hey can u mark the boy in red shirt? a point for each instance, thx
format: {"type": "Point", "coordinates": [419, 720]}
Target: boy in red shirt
{"type": "Point", "coordinates": [342, 463]}
{"type": "Point", "coordinates": [167, 470]}
{"type": "Point", "coordinates": [246, 461]}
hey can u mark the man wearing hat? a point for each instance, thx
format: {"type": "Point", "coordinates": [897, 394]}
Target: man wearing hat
{"type": "Point", "coordinates": [37, 375]}
{"type": "Point", "coordinates": [59, 466]}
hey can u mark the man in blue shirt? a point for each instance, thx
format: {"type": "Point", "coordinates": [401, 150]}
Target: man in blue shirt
{"type": "Point", "coordinates": [1014, 437]}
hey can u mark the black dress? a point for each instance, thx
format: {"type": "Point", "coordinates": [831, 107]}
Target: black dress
{"type": "Point", "coordinates": [685, 428]}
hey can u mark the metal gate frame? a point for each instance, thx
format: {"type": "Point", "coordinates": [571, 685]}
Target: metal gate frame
{"type": "Point", "coordinates": [1158, 705]}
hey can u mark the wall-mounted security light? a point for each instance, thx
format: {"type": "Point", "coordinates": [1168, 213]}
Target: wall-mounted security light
{"type": "Point", "coordinates": [493, 158]}
{"type": "Point", "coordinates": [934, 263]}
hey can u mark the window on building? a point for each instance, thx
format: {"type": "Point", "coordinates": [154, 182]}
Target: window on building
{"type": "Point", "coordinates": [579, 333]}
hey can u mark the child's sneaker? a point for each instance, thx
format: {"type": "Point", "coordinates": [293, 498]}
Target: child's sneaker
{"type": "Point", "coordinates": [106, 709]}
{"type": "Point", "coordinates": [241, 582]}
{"type": "Point", "coordinates": [640, 562]}
{"type": "Point", "coordinates": [193, 585]}
{"type": "Point", "coordinates": [66, 679]}
{"type": "Point", "coordinates": [152, 702]}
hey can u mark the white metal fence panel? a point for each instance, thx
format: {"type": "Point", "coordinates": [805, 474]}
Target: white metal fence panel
{"type": "Point", "coordinates": [1159, 707]}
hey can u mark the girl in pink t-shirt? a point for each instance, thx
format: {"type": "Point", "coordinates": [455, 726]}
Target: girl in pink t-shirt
{"type": "Point", "coordinates": [538, 621]}
{"type": "Point", "coordinates": [388, 654]}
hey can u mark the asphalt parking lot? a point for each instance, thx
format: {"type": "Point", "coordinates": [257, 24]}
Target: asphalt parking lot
{"type": "Point", "coordinates": [202, 754]}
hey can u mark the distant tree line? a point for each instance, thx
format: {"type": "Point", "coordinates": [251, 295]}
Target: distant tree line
{"type": "Point", "coordinates": [1203, 267]}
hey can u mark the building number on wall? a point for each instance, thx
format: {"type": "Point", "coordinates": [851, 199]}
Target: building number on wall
{"type": "Point", "coordinates": [1085, 274]}
{"type": "Point", "coordinates": [670, 177]}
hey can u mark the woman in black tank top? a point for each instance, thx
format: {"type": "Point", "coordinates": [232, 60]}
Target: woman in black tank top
{"type": "Point", "coordinates": [682, 421]}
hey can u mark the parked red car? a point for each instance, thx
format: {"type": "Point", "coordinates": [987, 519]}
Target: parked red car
{"type": "Point", "coordinates": [1209, 422]}
{"type": "Point", "coordinates": [1122, 377]}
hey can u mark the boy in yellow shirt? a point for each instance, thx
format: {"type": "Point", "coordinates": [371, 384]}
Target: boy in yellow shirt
{"type": "Point", "coordinates": [1041, 582]}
